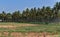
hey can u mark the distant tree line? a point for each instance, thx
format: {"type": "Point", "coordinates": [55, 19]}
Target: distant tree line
{"type": "Point", "coordinates": [44, 14]}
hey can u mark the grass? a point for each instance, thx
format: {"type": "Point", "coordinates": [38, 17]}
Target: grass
{"type": "Point", "coordinates": [51, 27]}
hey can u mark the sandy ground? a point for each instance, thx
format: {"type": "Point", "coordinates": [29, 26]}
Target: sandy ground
{"type": "Point", "coordinates": [19, 25]}
{"type": "Point", "coordinates": [29, 34]}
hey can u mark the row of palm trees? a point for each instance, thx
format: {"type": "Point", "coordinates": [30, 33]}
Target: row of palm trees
{"type": "Point", "coordinates": [44, 14]}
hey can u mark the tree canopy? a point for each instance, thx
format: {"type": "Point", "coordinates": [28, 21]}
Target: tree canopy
{"type": "Point", "coordinates": [44, 14]}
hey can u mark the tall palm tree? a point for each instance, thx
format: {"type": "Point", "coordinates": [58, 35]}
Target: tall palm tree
{"type": "Point", "coordinates": [16, 16]}
{"type": "Point", "coordinates": [9, 17]}
{"type": "Point", "coordinates": [3, 15]}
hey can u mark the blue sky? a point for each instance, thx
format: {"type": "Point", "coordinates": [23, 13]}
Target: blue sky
{"type": "Point", "coordinates": [13, 5]}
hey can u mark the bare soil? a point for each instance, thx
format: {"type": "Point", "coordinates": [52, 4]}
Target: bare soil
{"type": "Point", "coordinates": [18, 25]}
{"type": "Point", "coordinates": [29, 34]}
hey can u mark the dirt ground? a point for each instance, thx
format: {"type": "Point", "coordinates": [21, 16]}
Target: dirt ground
{"type": "Point", "coordinates": [22, 34]}
{"type": "Point", "coordinates": [32, 34]}
{"type": "Point", "coordinates": [29, 34]}
{"type": "Point", "coordinates": [18, 25]}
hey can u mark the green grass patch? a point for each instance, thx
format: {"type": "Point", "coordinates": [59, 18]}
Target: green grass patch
{"type": "Point", "coordinates": [51, 27]}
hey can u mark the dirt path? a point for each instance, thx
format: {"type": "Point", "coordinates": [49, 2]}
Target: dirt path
{"type": "Point", "coordinates": [17, 25]}
{"type": "Point", "coordinates": [29, 34]}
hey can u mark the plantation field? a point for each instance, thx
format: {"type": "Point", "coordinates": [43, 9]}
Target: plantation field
{"type": "Point", "coordinates": [11, 29]}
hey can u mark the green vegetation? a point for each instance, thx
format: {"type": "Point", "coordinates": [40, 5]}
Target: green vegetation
{"type": "Point", "coordinates": [51, 27]}
{"type": "Point", "coordinates": [44, 14]}
{"type": "Point", "coordinates": [42, 20]}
